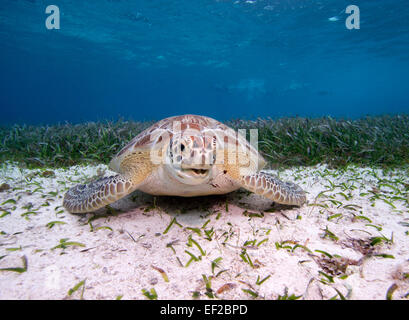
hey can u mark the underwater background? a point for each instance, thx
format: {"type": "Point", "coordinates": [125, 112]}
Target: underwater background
{"type": "Point", "coordinates": [146, 60]}
{"type": "Point", "coordinates": [77, 89]}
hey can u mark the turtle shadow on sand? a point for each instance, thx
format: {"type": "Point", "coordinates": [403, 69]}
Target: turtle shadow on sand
{"type": "Point", "coordinates": [192, 211]}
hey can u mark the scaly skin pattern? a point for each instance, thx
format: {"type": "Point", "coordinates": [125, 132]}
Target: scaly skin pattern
{"type": "Point", "coordinates": [89, 197]}
{"type": "Point", "coordinates": [185, 156]}
{"type": "Point", "coordinates": [269, 186]}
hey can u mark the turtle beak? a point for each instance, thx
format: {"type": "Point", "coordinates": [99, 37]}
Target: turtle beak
{"type": "Point", "coordinates": [199, 170]}
{"type": "Point", "coordinates": [201, 162]}
{"type": "Point", "coordinates": [188, 166]}
{"type": "Point", "coordinates": [192, 176]}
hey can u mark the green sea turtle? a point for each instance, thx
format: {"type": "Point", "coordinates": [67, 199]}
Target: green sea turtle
{"type": "Point", "coordinates": [184, 156]}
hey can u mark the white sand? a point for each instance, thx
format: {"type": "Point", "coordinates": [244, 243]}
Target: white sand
{"type": "Point", "coordinates": [123, 254]}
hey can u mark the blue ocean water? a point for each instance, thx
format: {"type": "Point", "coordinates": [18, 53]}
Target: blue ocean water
{"type": "Point", "coordinates": [149, 59]}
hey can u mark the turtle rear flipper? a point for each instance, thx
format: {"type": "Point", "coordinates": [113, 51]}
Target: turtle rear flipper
{"type": "Point", "coordinates": [271, 187]}
{"type": "Point", "coordinates": [92, 196]}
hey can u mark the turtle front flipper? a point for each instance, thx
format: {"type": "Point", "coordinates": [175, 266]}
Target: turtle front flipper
{"type": "Point", "coordinates": [271, 187]}
{"type": "Point", "coordinates": [89, 197]}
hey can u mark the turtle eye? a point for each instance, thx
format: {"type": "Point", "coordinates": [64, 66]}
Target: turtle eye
{"type": "Point", "coordinates": [182, 147]}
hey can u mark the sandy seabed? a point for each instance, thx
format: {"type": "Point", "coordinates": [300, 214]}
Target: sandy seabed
{"type": "Point", "coordinates": [350, 241]}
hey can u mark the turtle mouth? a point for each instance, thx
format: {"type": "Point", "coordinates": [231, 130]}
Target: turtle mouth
{"type": "Point", "coordinates": [192, 176]}
{"type": "Point", "coordinates": [197, 172]}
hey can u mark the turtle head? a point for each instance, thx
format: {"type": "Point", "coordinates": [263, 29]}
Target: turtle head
{"type": "Point", "coordinates": [191, 158]}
